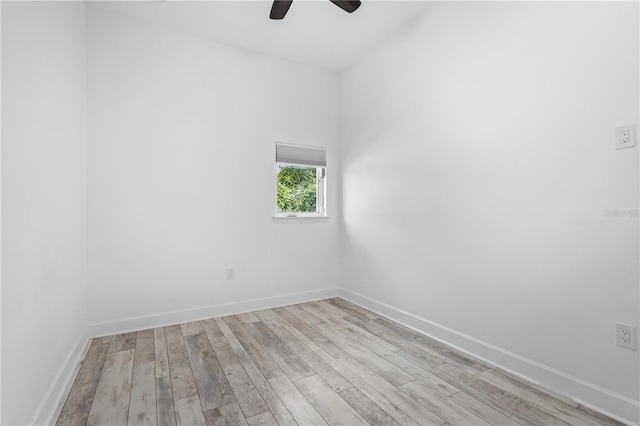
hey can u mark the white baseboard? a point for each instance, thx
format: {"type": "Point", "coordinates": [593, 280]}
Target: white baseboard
{"type": "Point", "coordinates": [605, 401]}
{"type": "Point", "coordinates": [49, 408]}
{"type": "Point", "coordinates": [614, 405]}
{"type": "Point", "coordinates": [211, 311]}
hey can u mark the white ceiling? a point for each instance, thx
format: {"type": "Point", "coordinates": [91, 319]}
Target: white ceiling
{"type": "Point", "coordinates": [314, 32]}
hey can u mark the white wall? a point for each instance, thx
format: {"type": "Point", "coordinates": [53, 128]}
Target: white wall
{"type": "Point", "coordinates": [182, 136]}
{"type": "Point", "coordinates": [44, 313]}
{"type": "Point", "coordinates": [478, 161]}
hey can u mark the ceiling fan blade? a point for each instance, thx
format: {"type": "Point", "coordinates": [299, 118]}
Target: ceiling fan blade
{"type": "Point", "coordinates": [279, 8]}
{"type": "Point", "coordinates": [348, 5]}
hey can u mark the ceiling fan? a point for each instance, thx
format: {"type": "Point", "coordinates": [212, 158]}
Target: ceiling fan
{"type": "Point", "coordinates": [280, 7]}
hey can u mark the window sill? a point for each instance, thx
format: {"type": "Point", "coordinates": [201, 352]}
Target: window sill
{"type": "Point", "coordinates": [300, 219]}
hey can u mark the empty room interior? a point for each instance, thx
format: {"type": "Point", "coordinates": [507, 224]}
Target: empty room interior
{"type": "Point", "coordinates": [386, 212]}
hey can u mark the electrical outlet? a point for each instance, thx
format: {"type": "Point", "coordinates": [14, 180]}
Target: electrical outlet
{"type": "Point", "coordinates": [230, 274]}
{"type": "Point", "coordinates": [626, 136]}
{"type": "Point", "coordinates": [626, 336]}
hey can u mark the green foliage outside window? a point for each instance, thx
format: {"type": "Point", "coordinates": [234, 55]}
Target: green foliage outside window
{"type": "Point", "coordinates": [297, 189]}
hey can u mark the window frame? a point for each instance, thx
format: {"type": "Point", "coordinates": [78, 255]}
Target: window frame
{"type": "Point", "coordinates": [321, 187]}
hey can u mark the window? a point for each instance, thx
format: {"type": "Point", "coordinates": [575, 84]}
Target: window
{"type": "Point", "coordinates": [300, 181]}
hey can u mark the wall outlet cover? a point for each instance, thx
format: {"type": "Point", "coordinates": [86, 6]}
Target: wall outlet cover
{"type": "Point", "coordinates": [626, 136]}
{"type": "Point", "coordinates": [626, 336]}
{"type": "Point", "coordinates": [230, 273]}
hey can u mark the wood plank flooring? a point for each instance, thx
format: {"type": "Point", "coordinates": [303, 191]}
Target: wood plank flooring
{"type": "Point", "coordinates": [327, 362]}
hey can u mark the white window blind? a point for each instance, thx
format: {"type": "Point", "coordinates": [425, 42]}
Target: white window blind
{"type": "Point", "coordinates": [303, 155]}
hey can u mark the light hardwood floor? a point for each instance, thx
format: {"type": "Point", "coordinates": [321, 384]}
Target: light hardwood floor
{"type": "Point", "coordinates": [317, 363]}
